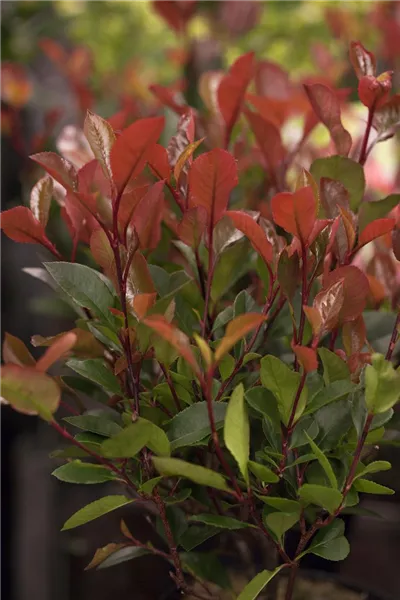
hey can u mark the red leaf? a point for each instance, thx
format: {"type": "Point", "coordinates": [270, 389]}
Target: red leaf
{"type": "Point", "coordinates": [142, 303]}
{"type": "Point", "coordinates": [175, 13]}
{"type": "Point", "coordinates": [169, 98]}
{"type": "Point", "coordinates": [355, 288]}
{"type": "Point", "coordinates": [158, 162]}
{"type": "Point", "coordinates": [327, 107]}
{"type": "Point", "coordinates": [329, 302]}
{"type": "Point", "coordinates": [236, 330]}
{"type": "Point", "coordinates": [296, 213]}
{"type": "Point", "coordinates": [363, 62]}
{"type": "Point", "coordinates": [373, 91]}
{"type": "Point", "coordinates": [61, 346]}
{"type": "Point", "coordinates": [129, 201]}
{"type": "Point", "coordinates": [307, 357]}
{"type": "Point", "coordinates": [374, 230]}
{"type": "Point", "coordinates": [20, 225]}
{"type": "Point", "coordinates": [148, 215]}
{"type": "Point", "coordinates": [59, 168]}
{"type": "Point", "coordinates": [253, 232]}
{"type": "Point", "coordinates": [212, 177]}
{"type": "Point", "coordinates": [272, 81]}
{"type": "Point", "coordinates": [174, 336]}
{"type": "Point", "coordinates": [396, 243]}
{"type": "Point", "coordinates": [192, 226]}
{"type": "Point", "coordinates": [232, 89]}
{"type": "Point", "coordinates": [268, 139]}
{"type": "Point", "coordinates": [354, 335]}
{"type": "Point", "coordinates": [132, 149]}
{"type": "Point", "coordinates": [78, 208]}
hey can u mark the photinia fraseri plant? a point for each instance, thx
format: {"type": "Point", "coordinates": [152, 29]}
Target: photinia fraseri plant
{"type": "Point", "coordinates": [230, 351]}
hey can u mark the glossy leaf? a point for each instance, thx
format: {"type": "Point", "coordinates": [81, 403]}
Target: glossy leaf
{"type": "Point", "coordinates": [192, 424]}
{"type": "Point", "coordinates": [59, 168]}
{"type": "Point", "coordinates": [307, 357]}
{"type": "Point", "coordinates": [95, 370]}
{"type": "Point", "coordinates": [237, 430]}
{"type": "Point", "coordinates": [77, 471]}
{"type": "Point", "coordinates": [262, 472]}
{"type": "Point", "coordinates": [280, 522]}
{"type": "Point", "coordinates": [363, 62]}
{"type": "Point", "coordinates": [374, 230]}
{"type": "Point", "coordinates": [184, 157]}
{"type": "Point", "coordinates": [101, 138]}
{"type": "Point", "coordinates": [175, 467]}
{"type": "Point", "coordinates": [40, 200]}
{"type": "Point", "coordinates": [330, 543]}
{"type": "Point", "coordinates": [355, 290]}
{"type": "Point", "coordinates": [212, 177]}
{"type": "Point", "coordinates": [20, 225]}
{"type": "Point", "coordinates": [320, 495]}
{"type": "Point", "coordinates": [29, 391]}
{"type": "Point", "coordinates": [328, 303]}
{"type": "Point", "coordinates": [252, 230]}
{"type": "Point", "coordinates": [296, 213]}
{"type": "Point", "coordinates": [131, 149]}
{"type": "Point", "coordinates": [96, 509]}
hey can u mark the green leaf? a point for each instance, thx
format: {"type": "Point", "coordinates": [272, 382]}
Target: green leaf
{"type": "Point", "coordinates": [206, 566]}
{"type": "Point", "coordinates": [334, 391]}
{"type": "Point", "coordinates": [95, 370]}
{"type": "Point", "coordinates": [99, 424]}
{"type": "Point", "coordinates": [283, 382]}
{"type": "Point", "coordinates": [85, 286]}
{"type": "Point", "coordinates": [158, 441]}
{"type": "Point", "coordinates": [102, 553]}
{"type": "Point", "coordinates": [175, 467]}
{"type": "Point", "coordinates": [264, 402]}
{"type": "Point", "coordinates": [128, 442]}
{"type": "Point", "coordinates": [220, 521]}
{"type": "Point", "coordinates": [96, 509]}
{"type": "Point", "coordinates": [370, 211]}
{"type": "Point", "coordinates": [307, 425]}
{"type": "Point", "coordinates": [148, 486]}
{"type": "Point", "coordinates": [178, 497]}
{"type": "Point", "coordinates": [382, 385]}
{"type": "Point", "coordinates": [192, 424]}
{"type": "Point", "coordinates": [196, 535]}
{"type": "Point", "coordinates": [334, 421]}
{"type": "Point", "coordinates": [330, 543]}
{"type": "Point", "coordinates": [123, 555]}
{"type": "Point", "coordinates": [257, 584]}
{"type": "Point", "coordinates": [262, 472]}
{"type": "Point", "coordinates": [80, 472]}
{"type": "Point", "coordinates": [226, 366]}
{"type": "Point", "coordinates": [324, 462]}
{"type": "Point", "coordinates": [29, 391]}
{"type": "Point", "coordinates": [237, 430]}
{"type": "Point", "coordinates": [370, 487]}
{"type": "Point", "coordinates": [335, 369]}
{"type": "Point", "coordinates": [283, 504]}
{"type": "Point", "coordinates": [280, 522]}
{"type": "Point", "coordinates": [320, 495]}
{"type": "Point", "coordinates": [374, 467]}
{"type": "Point", "coordinates": [349, 172]}
{"type": "Point", "coordinates": [231, 266]}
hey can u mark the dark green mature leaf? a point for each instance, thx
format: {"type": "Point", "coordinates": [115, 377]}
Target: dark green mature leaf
{"type": "Point", "coordinates": [257, 584]}
{"type": "Point", "coordinates": [306, 427]}
{"type": "Point", "coordinates": [178, 497]}
{"type": "Point", "coordinates": [149, 485]}
{"type": "Point", "coordinates": [96, 509]}
{"type": "Point", "coordinates": [374, 467]}
{"type": "Point", "coordinates": [327, 498]}
{"type": "Point", "coordinates": [264, 402]}
{"type": "Point", "coordinates": [280, 522]}
{"type": "Point", "coordinates": [324, 462]}
{"type": "Point", "coordinates": [370, 487]}
{"type": "Point", "coordinates": [237, 430]}
{"type": "Point", "coordinates": [382, 385]}
{"type": "Point", "coordinates": [95, 370]}
{"type": "Point", "coordinates": [220, 521]}
{"type": "Point", "coordinates": [175, 467]}
{"type": "Point", "coordinates": [192, 424]}
{"type": "Point", "coordinates": [334, 391]}
{"type": "Point", "coordinates": [231, 266]}
{"type": "Point", "coordinates": [283, 382]}
{"type": "Point", "coordinates": [123, 555]}
{"type": "Point", "coordinates": [282, 504]}
{"type": "Point", "coordinates": [206, 566]}
{"type": "Point", "coordinates": [100, 424]}
{"type": "Point", "coordinates": [334, 421]}
{"type": "Point", "coordinates": [349, 172]}
{"type": "Point", "coordinates": [77, 471]}
{"type": "Point", "coordinates": [128, 442]}
{"type": "Point", "coordinates": [371, 211]}
{"type": "Point", "coordinates": [262, 472]}
{"type": "Point", "coordinates": [85, 286]}
{"type": "Point", "coordinates": [330, 543]}
{"type": "Point", "coordinates": [196, 535]}
{"type": "Point", "coordinates": [335, 369]}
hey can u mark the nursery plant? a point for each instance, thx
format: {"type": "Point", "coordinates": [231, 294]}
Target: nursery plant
{"type": "Point", "coordinates": [225, 366]}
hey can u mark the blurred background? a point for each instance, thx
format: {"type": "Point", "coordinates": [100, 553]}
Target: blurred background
{"type": "Point", "coordinates": [60, 59]}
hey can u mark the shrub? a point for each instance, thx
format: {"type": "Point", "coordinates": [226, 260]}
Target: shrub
{"type": "Point", "coordinates": [225, 325]}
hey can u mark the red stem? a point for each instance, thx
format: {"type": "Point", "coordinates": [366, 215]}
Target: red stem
{"type": "Point", "coordinates": [394, 338]}
{"type": "Point", "coordinates": [363, 151]}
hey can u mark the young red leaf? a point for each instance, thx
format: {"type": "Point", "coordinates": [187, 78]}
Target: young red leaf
{"type": "Point", "coordinates": [232, 89]}
{"type": "Point", "coordinates": [101, 138]}
{"type": "Point", "coordinates": [148, 215]}
{"type": "Point", "coordinates": [354, 335]}
{"type": "Point", "coordinates": [346, 237]}
{"type": "Point", "coordinates": [59, 168]}
{"type": "Point", "coordinates": [247, 225]}
{"type": "Point", "coordinates": [58, 349]}
{"type": "Point", "coordinates": [212, 177]}
{"type": "Point", "coordinates": [355, 289]}
{"type": "Point", "coordinates": [103, 254]}
{"type": "Point", "coordinates": [79, 209]}
{"type": "Point", "coordinates": [236, 330]}
{"type": "Point", "coordinates": [296, 213]}
{"type": "Point", "coordinates": [176, 14]}
{"type": "Point", "coordinates": [373, 91]}
{"type": "Point", "coordinates": [272, 81]}
{"type": "Point", "coordinates": [132, 149]}
{"type": "Point", "coordinates": [40, 200]}
{"type": "Point", "coordinates": [142, 303]}
{"type": "Point", "coordinates": [374, 230]}
{"type": "Point", "coordinates": [186, 157]}
{"type": "Point", "coordinates": [20, 225]}
{"type": "Point", "coordinates": [173, 336]}
{"type": "Point", "coordinates": [314, 318]}
{"type": "Point", "coordinates": [327, 107]}
{"type": "Point", "coordinates": [288, 273]}
{"type": "Point", "coordinates": [329, 302]}
{"type": "Point", "coordinates": [169, 98]}
{"type": "Point", "coordinates": [363, 62]}
{"type": "Point", "coordinates": [268, 138]}
{"type": "Point", "coordinates": [15, 352]}
{"type": "Point", "coordinates": [158, 162]}
{"type": "Point", "coordinates": [183, 138]}
{"type": "Point", "coordinates": [190, 230]}
{"type": "Point", "coordinates": [307, 357]}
